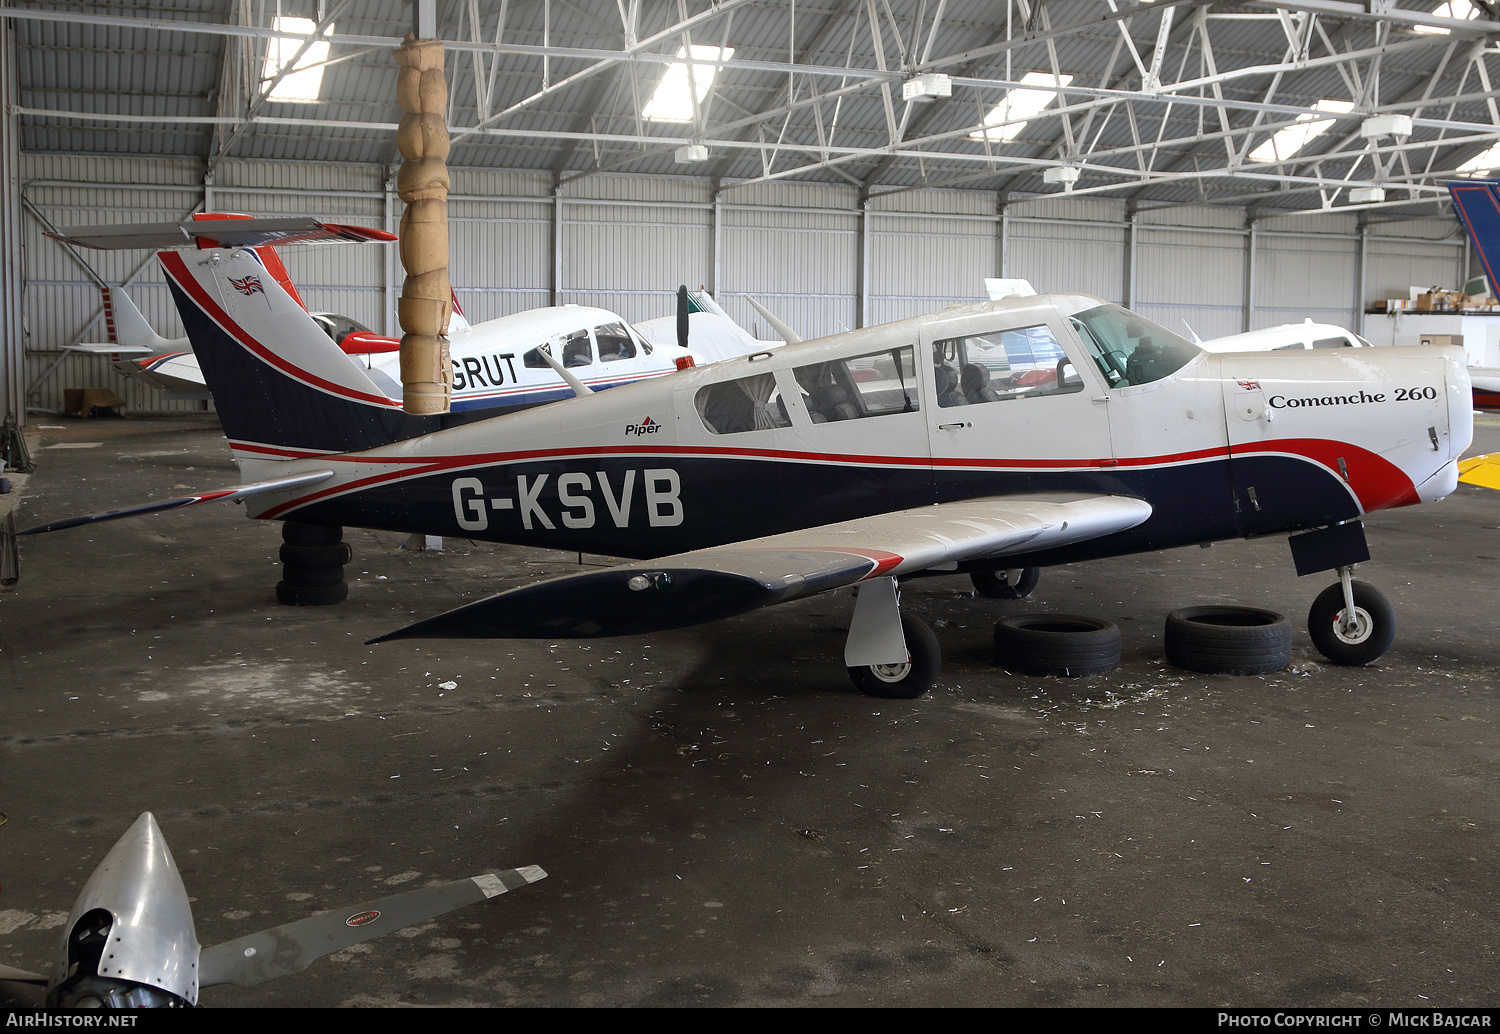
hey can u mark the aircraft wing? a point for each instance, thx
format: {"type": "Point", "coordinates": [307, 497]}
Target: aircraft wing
{"type": "Point", "coordinates": [238, 492]}
{"type": "Point", "coordinates": [223, 233]}
{"type": "Point", "coordinates": [691, 588]}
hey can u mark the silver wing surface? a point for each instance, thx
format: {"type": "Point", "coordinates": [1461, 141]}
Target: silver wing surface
{"type": "Point", "coordinates": [707, 584]}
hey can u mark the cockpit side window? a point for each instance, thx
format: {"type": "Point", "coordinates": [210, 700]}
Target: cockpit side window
{"type": "Point", "coordinates": [1130, 349]}
{"type": "Point", "coordinates": [1026, 362]}
{"type": "Point", "coordinates": [614, 342]}
{"type": "Point", "coordinates": [867, 385]}
{"type": "Point", "coordinates": [571, 350]}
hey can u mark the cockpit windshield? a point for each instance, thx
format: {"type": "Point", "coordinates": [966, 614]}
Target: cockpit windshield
{"type": "Point", "coordinates": [1130, 349]}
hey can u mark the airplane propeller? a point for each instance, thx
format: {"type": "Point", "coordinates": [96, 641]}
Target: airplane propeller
{"type": "Point", "coordinates": [682, 316]}
{"type": "Point", "coordinates": [130, 942]}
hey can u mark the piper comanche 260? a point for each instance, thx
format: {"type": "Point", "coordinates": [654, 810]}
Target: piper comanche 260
{"type": "Point", "coordinates": [981, 439]}
{"type": "Point", "coordinates": [130, 941]}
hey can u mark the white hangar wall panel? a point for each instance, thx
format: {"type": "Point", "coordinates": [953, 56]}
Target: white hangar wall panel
{"type": "Point", "coordinates": [1068, 244]}
{"type": "Point", "coordinates": [1306, 267]}
{"type": "Point", "coordinates": [929, 250]}
{"type": "Point", "coordinates": [794, 248]}
{"type": "Point", "coordinates": [1416, 253]}
{"type": "Point", "coordinates": [1190, 270]}
{"type": "Point", "coordinates": [628, 242]}
{"type": "Point", "coordinates": [499, 241]}
{"type": "Point", "coordinates": [61, 302]}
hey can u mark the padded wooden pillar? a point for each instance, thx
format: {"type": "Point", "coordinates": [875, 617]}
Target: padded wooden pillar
{"type": "Point", "coordinates": [426, 296]}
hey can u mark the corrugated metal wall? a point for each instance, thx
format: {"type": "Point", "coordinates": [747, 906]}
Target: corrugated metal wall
{"type": "Point", "coordinates": [625, 242]}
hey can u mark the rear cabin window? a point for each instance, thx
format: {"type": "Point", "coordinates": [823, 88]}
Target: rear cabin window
{"type": "Point", "coordinates": [746, 404]}
{"type": "Point", "coordinates": [876, 384]}
{"type": "Point", "coordinates": [1026, 362]}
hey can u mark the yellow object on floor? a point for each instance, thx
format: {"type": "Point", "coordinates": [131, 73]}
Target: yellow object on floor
{"type": "Point", "coordinates": [1481, 470]}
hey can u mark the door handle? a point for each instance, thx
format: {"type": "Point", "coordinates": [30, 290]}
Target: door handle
{"type": "Point", "coordinates": [954, 427]}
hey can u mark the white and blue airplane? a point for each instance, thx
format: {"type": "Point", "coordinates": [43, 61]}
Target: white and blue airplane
{"type": "Point", "coordinates": [854, 460]}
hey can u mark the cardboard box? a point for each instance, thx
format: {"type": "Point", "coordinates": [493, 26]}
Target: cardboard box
{"type": "Point", "coordinates": [1442, 339]}
{"type": "Point", "coordinates": [84, 401]}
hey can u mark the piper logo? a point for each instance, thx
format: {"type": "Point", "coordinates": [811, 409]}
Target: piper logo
{"type": "Point", "coordinates": [646, 426]}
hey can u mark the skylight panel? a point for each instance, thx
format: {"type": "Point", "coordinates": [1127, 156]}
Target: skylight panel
{"type": "Point", "coordinates": [1289, 142]}
{"type": "Point", "coordinates": [1482, 164]}
{"type": "Point", "coordinates": [298, 87]}
{"type": "Point", "coordinates": [675, 95]}
{"type": "Point", "coordinates": [1020, 105]}
{"type": "Point", "coordinates": [1460, 9]}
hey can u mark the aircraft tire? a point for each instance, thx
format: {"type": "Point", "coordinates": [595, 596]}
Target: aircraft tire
{"type": "Point", "coordinates": [903, 681]}
{"type": "Point", "coordinates": [311, 577]}
{"type": "Point", "coordinates": [1057, 644]}
{"type": "Point", "coordinates": [1377, 624]}
{"type": "Point", "coordinates": [311, 596]}
{"type": "Point", "coordinates": [997, 585]}
{"type": "Point", "coordinates": [295, 533]}
{"type": "Point", "coordinates": [1228, 640]}
{"type": "Point", "coordinates": [316, 556]}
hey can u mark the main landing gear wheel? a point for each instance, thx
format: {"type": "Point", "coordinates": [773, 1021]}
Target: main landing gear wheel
{"type": "Point", "coordinates": [1057, 644]}
{"type": "Point", "coordinates": [1015, 584]}
{"type": "Point", "coordinates": [907, 680]}
{"type": "Point", "coordinates": [1228, 640]}
{"type": "Point", "coordinates": [1370, 634]}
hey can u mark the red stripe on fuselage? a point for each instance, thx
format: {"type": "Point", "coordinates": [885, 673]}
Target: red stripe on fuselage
{"type": "Point", "coordinates": [1376, 482]}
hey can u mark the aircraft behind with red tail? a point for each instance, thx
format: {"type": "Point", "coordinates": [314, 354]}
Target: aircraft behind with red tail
{"type": "Point", "coordinates": [981, 439]}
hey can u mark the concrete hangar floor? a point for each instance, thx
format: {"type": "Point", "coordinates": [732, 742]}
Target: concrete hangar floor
{"type": "Point", "coordinates": [725, 821]}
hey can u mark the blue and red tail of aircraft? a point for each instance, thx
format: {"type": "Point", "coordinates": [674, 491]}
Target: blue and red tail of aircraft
{"type": "Point", "coordinates": [1477, 205]}
{"type": "Point", "coordinates": [282, 388]}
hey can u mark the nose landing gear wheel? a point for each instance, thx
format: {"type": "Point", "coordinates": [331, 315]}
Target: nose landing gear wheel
{"type": "Point", "coordinates": [1373, 628]}
{"type": "Point", "coordinates": [909, 679]}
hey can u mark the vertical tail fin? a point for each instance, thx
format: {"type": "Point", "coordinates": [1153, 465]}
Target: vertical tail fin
{"type": "Point", "coordinates": [281, 387]}
{"type": "Point", "coordinates": [1477, 205]}
{"type": "Point", "coordinates": [127, 326]}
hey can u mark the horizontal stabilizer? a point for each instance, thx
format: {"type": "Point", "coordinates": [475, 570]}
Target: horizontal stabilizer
{"type": "Point", "coordinates": [258, 957]}
{"type": "Point", "coordinates": [708, 584]}
{"type": "Point", "coordinates": [223, 233]}
{"type": "Point", "coordinates": [240, 492]}
{"type": "Point", "coordinates": [106, 348]}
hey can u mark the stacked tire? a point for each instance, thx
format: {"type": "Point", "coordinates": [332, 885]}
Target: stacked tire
{"type": "Point", "coordinates": [1228, 640]}
{"type": "Point", "coordinates": [312, 565]}
{"type": "Point", "coordinates": [1057, 644]}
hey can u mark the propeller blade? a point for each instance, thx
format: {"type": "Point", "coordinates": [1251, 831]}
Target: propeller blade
{"type": "Point", "coordinates": [21, 976]}
{"type": "Point", "coordinates": [258, 957]}
{"type": "Point", "coordinates": [787, 334]}
{"type": "Point", "coordinates": [682, 316]}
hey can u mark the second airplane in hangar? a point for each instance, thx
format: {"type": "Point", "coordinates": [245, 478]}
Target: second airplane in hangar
{"type": "Point", "coordinates": [859, 459]}
{"type": "Point", "coordinates": [495, 363]}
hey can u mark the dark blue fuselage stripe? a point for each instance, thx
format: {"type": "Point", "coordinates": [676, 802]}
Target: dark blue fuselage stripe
{"type": "Point", "coordinates": [731, 500]}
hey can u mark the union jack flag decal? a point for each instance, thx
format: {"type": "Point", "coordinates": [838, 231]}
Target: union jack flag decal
{"type": "Point", "coordinates": [1249, 385]}
{"type": "Point", "coordinates": [248, 286]}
